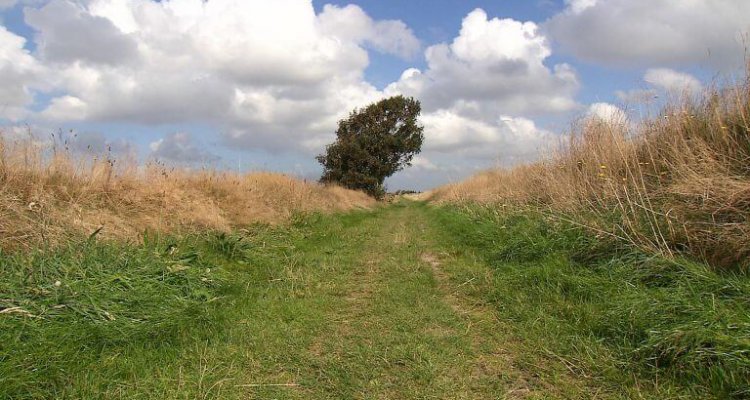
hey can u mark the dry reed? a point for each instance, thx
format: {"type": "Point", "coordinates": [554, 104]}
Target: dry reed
{"type": "Point", "coordinates": [47, 194]}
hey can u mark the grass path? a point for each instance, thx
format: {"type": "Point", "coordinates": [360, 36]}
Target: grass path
{"type": "Point", "coordinates": [403, 331]}
{"type": "Point", "coordinates": [394, 322]}
{"type": "Point", "coordinates": [381, 304]}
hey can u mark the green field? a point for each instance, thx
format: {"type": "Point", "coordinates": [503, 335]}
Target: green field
{"type": "Point", "coordinates": [405, 301]}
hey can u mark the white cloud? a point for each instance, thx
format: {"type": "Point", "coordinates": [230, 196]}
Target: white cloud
{"type": "Point", "coordinates": [352, 23]}
{"type": "Point", "coordinates": [661, 81]}
{"type": "Point", "coordinates": [578, 6]}
{"type": "Point", "coordinates": [448, 131]}
{"type": "Point", "coordinates": [272, 75]}
{"type": "Point", "coordinates": [7, 3]}
{"type": "Point", "coordinates": [655, 32]}
{"type": "Point", "coordinates": [673, 81]}
{"type": "Point", "coordinates": [494, 65]}
{"type": "Point", "coordinates": [509, 139]}
{"type": "Point", "coordinates": [66, 32]}
{"type": "Point", "coordinates": [607, 112]}
{"type": "Point", "coordinates": [280, 118]}
{"type": "Point", "coordinates": [423, 163]}
{"type": "Point", "coordinates": [179, 147]}
{"type": "Point", "coordinates": [492, 70]}
{"type": "Point", "coordinates": [66, 108]}
{"type": "Point", "coordinates": [19, 74]}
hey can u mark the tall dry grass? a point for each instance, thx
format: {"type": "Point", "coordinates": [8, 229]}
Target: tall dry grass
{"type": "Point", "coordinates": [48, 194]}
{"type": "Point", "coordinates": [675, 183]}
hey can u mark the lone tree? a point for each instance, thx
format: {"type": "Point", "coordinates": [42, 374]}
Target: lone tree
{"type": "Point", "coordinates": [372, 144]}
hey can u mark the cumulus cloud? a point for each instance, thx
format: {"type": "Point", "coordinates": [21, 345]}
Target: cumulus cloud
{"type": "Point", "coordinates": [673, 81]}
{"type": "Point", "coordinates": [423, 163]}
{"type": "Point", "coordinates": [280, 118]}
{"type": "Point", "coordinates": [180, 148]}
{"type": "Point", "coordinates": [493, 65]}
{"type": "Point", "coordinates": [508, 138]}
{"type": "Point", "coordinates": [272, 75]}
{"type": "Point", "coordinates": [66, 32]}
{"type": "Point", "coordinates": [352, 23]}
{"type": "Point", "coordinates": [19, 73]}
{"type": "Point", "coordinates": [479, 91]}
{"type": "Point", "coordinates": [607, 112]}
{"type": "Point", "coordinates": [666, 33]}
{"type": "Point", "coordinates": [578, 6]}
{"type": "Point", "coordinates": [661, 81]}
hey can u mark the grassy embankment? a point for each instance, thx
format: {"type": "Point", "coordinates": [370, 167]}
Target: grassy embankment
{"type": "Point", "coordinates": [629, 249]}
{"type": "Point", "coordinates": [676, 184]}
{"type": "Point", "coordinates": [50, 195]}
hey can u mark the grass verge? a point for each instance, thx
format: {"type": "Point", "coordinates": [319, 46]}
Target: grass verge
{"type": "Point", "coordinates": [75, 315]}
{"type": "Point", "coordinates": [640, 324]}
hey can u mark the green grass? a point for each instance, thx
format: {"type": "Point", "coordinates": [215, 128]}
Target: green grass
{"type": "Point", "coordinates": [405, 301]}
{"type": "Point", "coordinates": [638, 324]}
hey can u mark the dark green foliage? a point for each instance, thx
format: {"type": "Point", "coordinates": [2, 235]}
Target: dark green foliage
{"type": "Point", "coordinates": [372, 144]}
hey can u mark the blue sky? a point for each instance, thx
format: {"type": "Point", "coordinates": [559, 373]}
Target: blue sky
{"type": "Point", "coordinates": [252, 84]}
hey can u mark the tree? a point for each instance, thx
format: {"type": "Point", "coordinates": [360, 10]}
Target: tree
{"type": "Point", "coordinates": [372, 144]}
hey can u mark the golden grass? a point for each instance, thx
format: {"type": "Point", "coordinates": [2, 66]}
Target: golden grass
{"type": "Point", "coordinates": [679, 182]}
{"type": "Point", "coordinates": [48, 194]}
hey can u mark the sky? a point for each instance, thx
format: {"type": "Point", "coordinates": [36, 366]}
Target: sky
{"type": "Point", "coordinates": [260, 85]}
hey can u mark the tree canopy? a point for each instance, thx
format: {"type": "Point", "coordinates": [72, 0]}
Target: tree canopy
{"type": "Point", "coordinates": [372, 144]}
